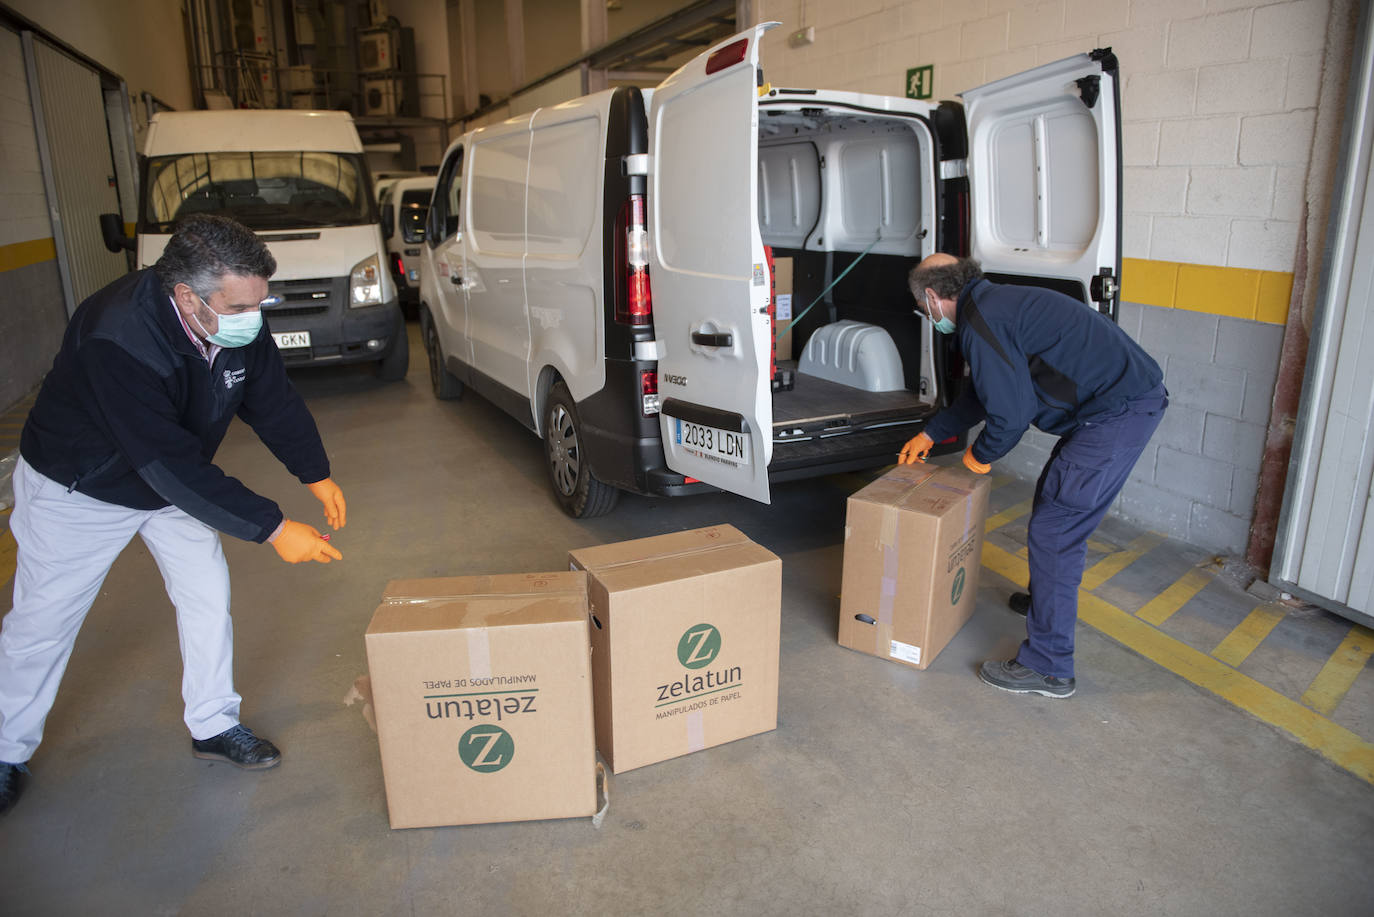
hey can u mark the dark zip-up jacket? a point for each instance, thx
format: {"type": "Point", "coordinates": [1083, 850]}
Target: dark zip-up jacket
{"type": "Point", "coordinates": [1038, 357]}
{"type": "Point", "coordinates": [132, 414]}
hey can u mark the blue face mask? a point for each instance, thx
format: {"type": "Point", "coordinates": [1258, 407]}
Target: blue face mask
{"type": "Point", "coordinates": [944, 325]}
{"type": "Point", "coordinates": [234, 330]}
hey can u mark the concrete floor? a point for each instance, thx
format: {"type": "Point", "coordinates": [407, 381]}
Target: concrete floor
{"type": "Point", "coordinates": [883, 790]}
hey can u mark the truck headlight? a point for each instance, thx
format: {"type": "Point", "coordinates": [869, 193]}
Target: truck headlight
{"type": "Point", "coordinates": [365, 283]}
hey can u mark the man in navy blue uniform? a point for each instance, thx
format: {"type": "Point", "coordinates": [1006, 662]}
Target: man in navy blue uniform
{"type": "Point", "coordinates": [1039, 357]}
{"type": "Point", "coordinates": [152, 370]}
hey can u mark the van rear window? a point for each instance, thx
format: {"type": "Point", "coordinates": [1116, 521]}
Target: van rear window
{"type": "Point", "coordinates": [263, 191]}
{"type": "Point", "coordinates": [414, 209]}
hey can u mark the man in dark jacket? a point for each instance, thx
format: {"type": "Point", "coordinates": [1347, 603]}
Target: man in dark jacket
{"type": "Point", "coordinates": [1043, 358]}
{"type": "Point", "coordinates": [152, 370]}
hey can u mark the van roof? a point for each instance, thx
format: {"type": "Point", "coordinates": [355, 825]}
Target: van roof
{"type": "Point", "coordinates": [171, 132]}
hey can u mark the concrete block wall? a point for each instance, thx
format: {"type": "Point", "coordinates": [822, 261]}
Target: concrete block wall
{"type": "Point", "coordinates": [1220, 105]}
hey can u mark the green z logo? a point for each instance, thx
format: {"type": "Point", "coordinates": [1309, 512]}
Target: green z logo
{"type": "Point", "coordinates": [698, 646]}
{"type": "Point", "coordinates": [486, 749]}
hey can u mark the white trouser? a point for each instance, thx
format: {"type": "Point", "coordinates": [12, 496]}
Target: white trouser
{"type": "Point", "coordinates": [67, 543]}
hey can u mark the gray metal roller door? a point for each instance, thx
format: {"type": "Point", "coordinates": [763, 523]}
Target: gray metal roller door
{"type": "Point", "coordinates": [1325, 545]}
{"type": "Point", "coordinates": [74, 146]}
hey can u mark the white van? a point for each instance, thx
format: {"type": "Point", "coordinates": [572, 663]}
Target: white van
{"type": "Point", "coordinates": [404, 206]}
{"type": "Point", "coordinates": [599, 269]}
{"type": "Point", "coordinates": [299, 180]}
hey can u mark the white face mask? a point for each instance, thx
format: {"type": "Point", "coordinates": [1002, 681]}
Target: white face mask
{"type": "Point", "coordinates": [234, 330]}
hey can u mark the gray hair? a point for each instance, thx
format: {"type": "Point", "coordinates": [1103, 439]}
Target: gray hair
{"type": "Point", "coordinates": [205, 247]}
{"type": "Point", "coordinates": [947, 280]}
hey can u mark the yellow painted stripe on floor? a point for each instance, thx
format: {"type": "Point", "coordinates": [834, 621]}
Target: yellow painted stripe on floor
{"type": "Point", "coordinates": [1162, 607]}
{"type": "Point", "coordinates": [1329, 688]}
{"type": "Point", "coordinates": [1237, 646]}
{"type": "Point", "coordinates": [1117, 561]}
{"type": "Point", "coordinates": [1333, 742]}
{"type": "Point", "coordinates": [8, 556]}
{"type": "Point", "coordinates": [1010, 514]}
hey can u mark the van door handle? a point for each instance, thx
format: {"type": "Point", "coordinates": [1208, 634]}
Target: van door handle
{"type": "Point", "coordinates": [718, 339]}
{"type": "Point", "coordinates": [455, 280]}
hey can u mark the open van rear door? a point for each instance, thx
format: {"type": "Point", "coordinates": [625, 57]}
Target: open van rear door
{"type": "Point", "coordinates": [707, 269]}
{"type": "Point", "coordinates": [1044, 173]}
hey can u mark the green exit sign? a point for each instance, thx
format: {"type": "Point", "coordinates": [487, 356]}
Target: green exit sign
{"type": "Point", "coordinates": [920, 82]}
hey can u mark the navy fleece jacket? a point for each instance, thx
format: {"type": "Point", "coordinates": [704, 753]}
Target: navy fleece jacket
{"type": "Point", "coordinates": [1038, 357]}
{"type": "Point", "coordinates": [132, 414]}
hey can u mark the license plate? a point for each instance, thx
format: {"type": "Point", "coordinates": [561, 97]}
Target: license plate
{"type": "Point", "coordinates": [289, 339]}
{"type": "Point", "coordinates": [414, 274]}
{"type": "Point", "coordinates": [727, 447]}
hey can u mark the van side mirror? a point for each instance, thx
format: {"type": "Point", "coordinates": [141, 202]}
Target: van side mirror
{"type": "Point", "coordinates": [112, 232]}
{"type": "Point", "coordinates": [388, 221]}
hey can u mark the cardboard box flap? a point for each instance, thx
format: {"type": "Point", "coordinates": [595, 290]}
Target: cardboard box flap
{"type": "Point", "coordinates": [933, 490]}
{"type": "Point", "coordinates": [444, 603]}
{"type": "Point", "coordinates": [665, 558]}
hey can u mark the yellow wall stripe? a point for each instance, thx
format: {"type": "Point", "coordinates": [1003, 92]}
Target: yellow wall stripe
{"type": "Point", "coordinates": [22, 254]}
{"type": "Point", "coordinates": [1237, 646]}
{"type": "Point", "coordinates": [1117, 561]}
{"type": "Point", "coordinates": [1334, 680]}
{"type": "Point", "coordinates": [1333, 742]}
{"type": "Point", "coordinates": [1160, 608]}
{"type": "Point", "coordinates": [1231, 291]}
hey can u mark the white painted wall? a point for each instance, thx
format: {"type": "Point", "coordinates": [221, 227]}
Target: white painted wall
{"type": "Point", "coordinates": [1219, 97]}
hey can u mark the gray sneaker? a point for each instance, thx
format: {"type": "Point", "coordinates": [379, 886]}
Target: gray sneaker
{"type": "Point", "coordinates": [1014, 677]}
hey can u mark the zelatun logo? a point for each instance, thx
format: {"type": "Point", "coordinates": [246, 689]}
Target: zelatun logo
{"type": "Point", "coordinates": [486, 749]}
{"type": "Point", "coordinates": [957, 590]}
{"type": "Point", "coordinates": [698, 646]}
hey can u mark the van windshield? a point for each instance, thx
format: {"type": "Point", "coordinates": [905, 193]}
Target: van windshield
{"type": "Point", "coordinates": [263, 191]}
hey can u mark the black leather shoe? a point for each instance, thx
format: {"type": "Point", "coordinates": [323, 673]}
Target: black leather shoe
{"type": "Point", "coordinates": [1019, 602]}
{"type": "Point", "coordinates": [240, 748]}
{"type": "Point", "coordinates": [12, 780]}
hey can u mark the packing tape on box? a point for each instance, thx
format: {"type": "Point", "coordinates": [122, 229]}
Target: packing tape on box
{"type": "Point", "coordinates": [696, 731]}
{"type": "Point", "coordinates": [426, 599]}
{"type": "Point", "coordinates": [887, 595]}
{"type": "Point", "coordinates": [479, 653]}
{"type": "Point", "coordinates": [603, 790]}
{"type": "Point", "coordinates": [361, 692]}
{"type": "Point", "coordinates": [669, 555]}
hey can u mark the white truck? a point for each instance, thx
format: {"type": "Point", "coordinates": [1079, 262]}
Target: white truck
{"type": "Point", "coordinates": [600, 268]}
{"type": "Point", "coordinates": [300, 181]}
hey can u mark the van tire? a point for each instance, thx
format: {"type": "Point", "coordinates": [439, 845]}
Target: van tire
{"type": "Point", "coordinates": [445, 385]}
{"type": "Point", "coordinates": [574, 486]}
{"type": "Point", "coordinates": [393, 366]}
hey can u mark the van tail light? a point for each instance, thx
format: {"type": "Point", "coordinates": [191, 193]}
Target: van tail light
{"type": "Point", "coordinates": [727, 56]}
{"type": "Point", "coordinates": [398, 265]}
{"type": "Point", "coordinates": [648, 391]}
{"type": "Point", "coordinates": [634, 301]}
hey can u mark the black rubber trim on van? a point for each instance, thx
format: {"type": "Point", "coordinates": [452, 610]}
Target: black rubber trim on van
{"type": "Point", "coordinates": [706, 416]}
{"type": "Point", "coordinates": [621, 444]}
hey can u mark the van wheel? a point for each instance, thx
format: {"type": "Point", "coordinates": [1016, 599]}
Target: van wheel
{"type": "Point", "coordinates": [443, 383]}
{"type": "Point", "coordinates": [393, 366]}
{"type": "Point", "coordinates": [579, 492]}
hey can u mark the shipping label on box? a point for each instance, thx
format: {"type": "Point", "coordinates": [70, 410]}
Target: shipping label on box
{"type": "Point", "coordinates": [685, 640]}
{"type": "Point", "coordinates": [912, 553]}
{"type": "Point", "coordinates": [482, 691]}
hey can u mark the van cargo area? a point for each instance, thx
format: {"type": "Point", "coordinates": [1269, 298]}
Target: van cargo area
{"type": "Point", "coordinates": [841, 194]}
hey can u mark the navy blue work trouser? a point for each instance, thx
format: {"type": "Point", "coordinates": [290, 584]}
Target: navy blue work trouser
{"type": "Point", "coordinates": [1085, 472]}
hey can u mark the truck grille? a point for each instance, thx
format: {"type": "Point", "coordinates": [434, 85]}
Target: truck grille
{"type": "Point", "coordinates": [301, 297]}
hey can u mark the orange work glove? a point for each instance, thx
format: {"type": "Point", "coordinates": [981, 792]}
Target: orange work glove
{"type": "Point", "coordinates": [298, 542]}
{"type": "Point", "coordinates": [328, 493]}
{"type": "Point", "coordinates": [972, 464]}
{"type": "Point", "coordinates": [916, 449]}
